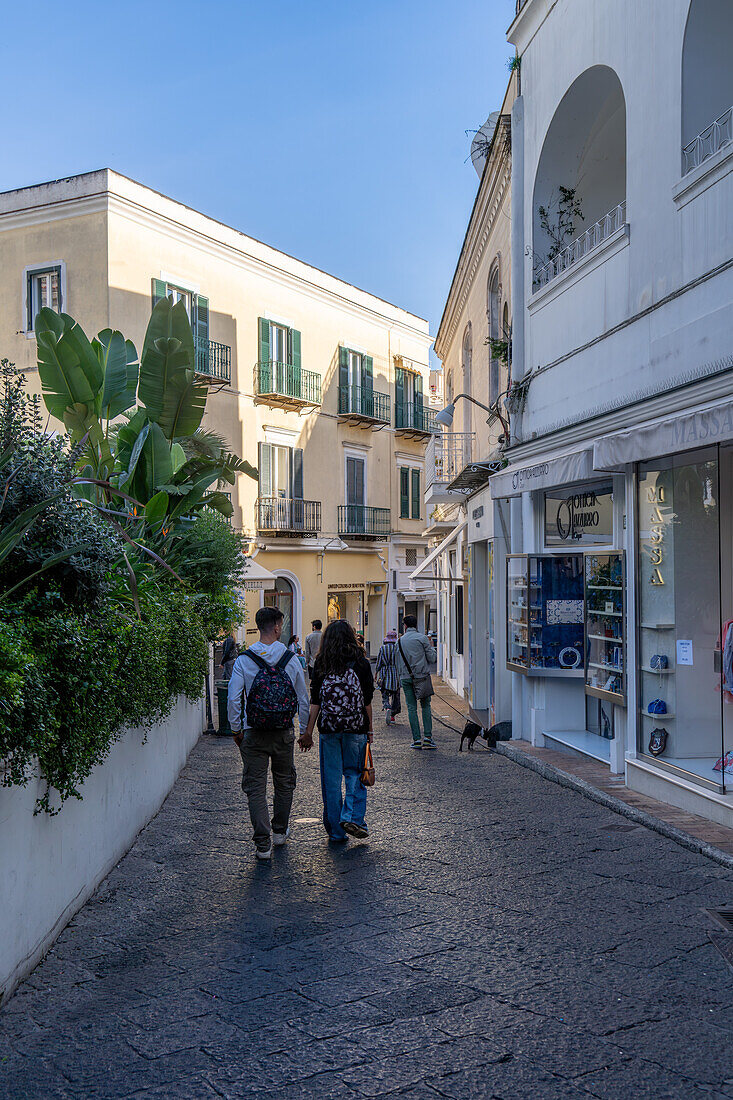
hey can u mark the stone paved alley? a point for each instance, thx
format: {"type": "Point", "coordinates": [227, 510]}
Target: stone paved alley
{"type": "Point", "coordinates": [499, 936]}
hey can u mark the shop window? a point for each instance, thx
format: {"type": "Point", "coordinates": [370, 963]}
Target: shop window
{"type": "Point", "coordinates": [459, 618]}
{"type": "Point", "coordinates": [579, 516]}
{"type": "Point", "coordinates": [684, 722]}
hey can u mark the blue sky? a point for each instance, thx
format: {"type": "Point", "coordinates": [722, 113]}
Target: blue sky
{"type": "Point", "coordinates": [331, 130]}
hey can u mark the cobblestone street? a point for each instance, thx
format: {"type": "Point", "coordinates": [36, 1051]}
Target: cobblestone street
{"type": "Point", "coordinates": [498, 936]}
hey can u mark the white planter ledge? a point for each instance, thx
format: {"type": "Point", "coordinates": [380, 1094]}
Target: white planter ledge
{"type": "Point", "coordinates": [707, 174]}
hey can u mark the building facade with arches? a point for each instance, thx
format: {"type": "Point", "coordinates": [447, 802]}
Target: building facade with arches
{"type": "Point", "coordinates": [619, 488]}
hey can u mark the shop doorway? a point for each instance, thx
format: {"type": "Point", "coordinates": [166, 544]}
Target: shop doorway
{"type": "Point", "coordinates": [281, 596]}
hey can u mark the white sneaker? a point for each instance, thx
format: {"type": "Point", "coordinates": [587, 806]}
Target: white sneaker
{"type": "Point", "coordinates": [263, 853]}
{"type": "Point", "coordinates": [278, 839]}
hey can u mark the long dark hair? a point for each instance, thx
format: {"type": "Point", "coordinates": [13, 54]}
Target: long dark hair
{"type": "Point", "coordinates": [339, 649]}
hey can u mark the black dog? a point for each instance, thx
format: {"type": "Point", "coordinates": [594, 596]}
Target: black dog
{"type": "Point", "coordinates": [502, 731]}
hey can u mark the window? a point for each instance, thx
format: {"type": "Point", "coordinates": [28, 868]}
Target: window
{"type": "Point", "coordinates": [278, 344]}
{"type": "Point", "coordinates": [280, 471]}
{"type": "Point", "coordinates": [197, 308]}
{"type": "Point", "coordinates": [459, 618]}
{"type": "Point", "coordinates": [409, 412]}
{"type": "Point", "coordinates": [409, 493]}
{"type": "Point", "coordinates": [494, 333]}
{"type": "Point", "coordinates": [356, 382]}
{"type": "Point", "coordinates": [411, 557]}
{"type": "Point", "coordinates": [43, 289]}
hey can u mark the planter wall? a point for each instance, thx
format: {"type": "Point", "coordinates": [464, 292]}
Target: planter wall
{"type": "Point", "coordinates": [49, 866]}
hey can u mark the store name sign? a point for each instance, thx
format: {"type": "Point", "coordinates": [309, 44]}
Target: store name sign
{"type": "Point", "coordinates": [573, 517]}
{"type": "Point", "coordinates": [529, 474]}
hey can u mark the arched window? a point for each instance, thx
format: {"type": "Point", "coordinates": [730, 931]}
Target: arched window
{"type": "Point", "coordinates": [580, 186]}
{"type": "Point", "coordinates": [466, 357]}
{"type": "Point", "coordinates": [281, 596]}
{"type": "Point", "coordinates": [707, 81]}
{"type": "Point", "coordinates": [494, 331]}
{"type": "Point", "coordinates": [449, 388]}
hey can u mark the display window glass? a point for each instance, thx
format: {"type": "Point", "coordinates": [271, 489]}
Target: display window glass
{"type": "Point", "coordinates": [579, 516]}
{"type": "Point", "coordinates": [545, 614]}
{"type": "Point", "coordinates": [605, 634]}
{"type": "Point", "coordinates": [684, 645]}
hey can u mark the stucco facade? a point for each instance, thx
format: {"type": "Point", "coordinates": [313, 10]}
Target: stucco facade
{"type": "Point", "coordinates": [115, 243]}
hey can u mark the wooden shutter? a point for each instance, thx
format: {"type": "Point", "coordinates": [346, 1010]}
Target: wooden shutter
{"type": "Point", "coordinates": [294, 347]}
{"type": "Point", "coordinates": [344, 396]}
{"type": "Point", "coordinates": [415, 494]}
{"type": "Point", "coordinates": [264, 343]}
{"type": "Point", "coordinates": [399, 395]}
{"type": "Point", "coordinates": [159, 291]}
{"type": "Point", "coordinates": [296, 480]}
{"type": "Point", "coordinates": [420, 419]}
{"type": "Point", "coordinates": [367, 384]}
{"type": "Point", "coordinates": [201, 332]}
{"type": "Point", "coordinates": [404, 492]}
{"type": "Point", "coordinates": [265, 459]}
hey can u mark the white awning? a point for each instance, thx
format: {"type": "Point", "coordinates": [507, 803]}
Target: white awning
{"type": "Point", "coordinates": [256, 576]}
{"type": "Point", "coordinates": [711, 423]}
{"type": "Point", "coordinates": [561, 470]}
{"type": "Point", "coordinates": [438, 550]}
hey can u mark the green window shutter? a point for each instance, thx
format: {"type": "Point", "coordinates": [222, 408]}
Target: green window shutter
{"type": "Point", "coordinates": [201, 332]}
{"type": "Point", "coordinates": [404, 492]}
{"type": "Point", "coordinates": [264, 330]}
{"type": "Point", "coordinates": [367, 382]}
{"type": "Point", "coordinates": [399, 397]}
{"type": "Point", "coordinates": [264, 457]}
{"type": "Point", "coordinates": [294, 346]}
{"type": "Point", "coordinates": [415, 494]}
{"type": "Point", "coordinates": [344, 403]}
{"type": "Point", "coordinates": [159, 291]}
{"type": "Point", "coordinates": [420, 418]}
{"type": "Point", "coordinates": [297, 474]}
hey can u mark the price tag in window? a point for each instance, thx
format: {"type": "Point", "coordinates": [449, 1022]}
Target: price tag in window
{"type": "Point", "coordinates": [609, 606]}
{"type": "Point", "coordinates": [684, 652]}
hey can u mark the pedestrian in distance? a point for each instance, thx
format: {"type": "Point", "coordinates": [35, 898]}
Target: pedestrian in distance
{"type": "Point", "coordinates": [313, 644]}
{"type": "Point", "coordinates": [229, 654]}
{"type": "Point", "coordinates": [386, 676]}
{"type": "Point", "coordinates": [341, 703]}
{"type": "Point", "coordinates": [294, 647]}
{"type": "Point", "coordinates": [415, 654]}
{"type": "Point", "coordinates": [266, 689]}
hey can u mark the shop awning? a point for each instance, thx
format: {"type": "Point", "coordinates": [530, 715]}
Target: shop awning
{"type": "Point", "coordinates": [439, 550]}
{"type": "Point", "coordinates": [700, 427]}
{"type": "Point", "coordinates": [564, 469]}
{"type": "Point", "coordinates": [256, 576]}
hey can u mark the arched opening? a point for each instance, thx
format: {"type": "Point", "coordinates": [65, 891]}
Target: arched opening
{"type": "Point", "coordinates": [281, 596]}
{"type": "Point", "coordinates": [580, 185]}
{"type": "Point", "coordinates": [507, 335]}
{"type": "Point", "coordinates": [449, 388]}
{"type": "Point", "coordinates": [467, 353]}
{"type": "Point", "coordinates": [707, 81]}
{"type": "Point", "coordinates": [494, 304]}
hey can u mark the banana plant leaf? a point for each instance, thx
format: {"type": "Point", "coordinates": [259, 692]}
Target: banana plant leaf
{"type": "Point", "coordinates": [167, 371]}
{"type": "Point", "coordinates": [154, 466]}
{"type": "Point", "coordinates": [118, 359]}
{"type": "Point", "coordinates": [68, 367]}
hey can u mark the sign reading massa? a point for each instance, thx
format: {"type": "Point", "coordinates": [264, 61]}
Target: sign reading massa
{"type": "Point", "coordinates": [579, 516]}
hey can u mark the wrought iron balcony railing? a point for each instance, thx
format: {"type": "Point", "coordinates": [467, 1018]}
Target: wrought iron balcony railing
{"type": "Point", "coordinates": [360, 402]}
{"type": "Point", "coordinates": [594, 236]}
{"type": "Point", "coordinates": [360, 521]}
{"type": "Point", "coordinates": [712, 138]}
{"type": "Point", "coordinates": [409, 416]}
{"type": "Point", "coordinates": [213, 360]}
{"type": "Point", "coordinates": [273, 379]}
{"type": "Point", "coordinates": [288, 516]}
{"type": "Point", "coordinates": [447, 454]}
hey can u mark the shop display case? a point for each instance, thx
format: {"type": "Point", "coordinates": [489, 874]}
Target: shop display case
{"type": "Point", "coordinates": [605, 629]}
{"type": "Point", "coordinates": [545, 619]}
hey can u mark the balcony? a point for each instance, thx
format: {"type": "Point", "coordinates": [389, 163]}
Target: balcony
{"type": "Point", "coordinates": [288, 516]}
{"type": "Point", "coordinates": [414, 420]}
{"type": "Point", "coordinates": [357, 521]}
{"type": "Point", "coordinates": [582, 246]}
{"type": "Point", "coordinates": [213, 360]}
{"type": "Point", "coordinates": [286, 386]}
{"type": "Point", "coordinates": [362, 406]}
{"type": "Point", "coordinates": [709, 142]}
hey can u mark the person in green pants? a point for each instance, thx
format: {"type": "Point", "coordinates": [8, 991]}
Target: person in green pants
{"type": "Point", "coordinates": [415, 654]}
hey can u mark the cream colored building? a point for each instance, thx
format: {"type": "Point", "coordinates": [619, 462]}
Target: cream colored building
{"type": "Point", "coordinates": [470, 539]}
{"type": "Point", "coordinates": [322, 386]}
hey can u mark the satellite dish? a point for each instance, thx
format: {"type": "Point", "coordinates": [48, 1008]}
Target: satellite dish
{"type": "Point", "coordinates": [482, 142]}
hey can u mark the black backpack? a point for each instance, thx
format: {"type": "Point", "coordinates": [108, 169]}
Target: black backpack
{"type": "Point", "coordinates": [271, 701]}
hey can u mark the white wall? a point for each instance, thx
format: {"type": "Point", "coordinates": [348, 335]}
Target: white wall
{"type": "Point", "coordinates": [49, 866]}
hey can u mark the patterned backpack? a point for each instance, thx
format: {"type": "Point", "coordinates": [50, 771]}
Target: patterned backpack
{"type": "Point", "coordinates": [271, 701]}
{"type": "Point", "coordinates": [342, 703]}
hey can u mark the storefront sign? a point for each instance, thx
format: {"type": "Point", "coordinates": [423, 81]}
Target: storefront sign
{"type": "Point", "coordinates": [579, 516]}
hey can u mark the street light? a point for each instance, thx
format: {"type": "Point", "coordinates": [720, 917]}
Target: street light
{"type": "Point", "coordinates": [445, 416]}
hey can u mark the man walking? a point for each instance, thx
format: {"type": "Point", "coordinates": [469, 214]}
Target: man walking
{"type": "Point", "coordinates": [312, 645]}
{"type": "Point", "coordinates": [229, 654]}
{"type": "Point", "coordinates": [266, 688]}
{"type": "Point", "coordinates": [414, 657]}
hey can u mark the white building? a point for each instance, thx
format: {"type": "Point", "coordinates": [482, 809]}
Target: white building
{"type": "Point", "coordinates": [620, 480]}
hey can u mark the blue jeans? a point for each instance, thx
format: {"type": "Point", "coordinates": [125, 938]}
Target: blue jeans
{"type": "Point", "coordinates": [342, 761]}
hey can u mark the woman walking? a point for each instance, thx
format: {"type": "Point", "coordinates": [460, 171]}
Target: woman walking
{"type": "Point", "coordinates": [342, 688]}
{"type": "Point", "coordinates": [386, 676]}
